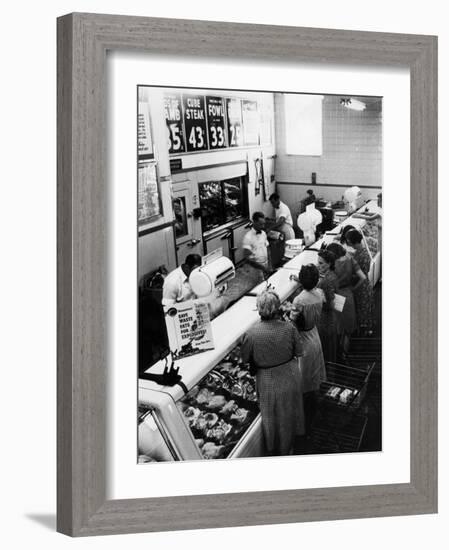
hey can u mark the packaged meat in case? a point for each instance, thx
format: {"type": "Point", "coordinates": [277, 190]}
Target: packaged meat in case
{"type": "Point", "coordinates": [222, 406]}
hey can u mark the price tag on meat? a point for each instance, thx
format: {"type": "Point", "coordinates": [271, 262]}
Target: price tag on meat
{"type": "Point", "coordinates": [216, 122]}
{"type": "Point", "coordinates": [234, 110]}
{"type": "Point", "coordinates": [195, 122]}
{"type": "Point", "coordinates": [173, 119]}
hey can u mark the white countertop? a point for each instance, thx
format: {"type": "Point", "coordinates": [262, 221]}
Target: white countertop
{"type": "Point", "coordinates": [227, 328]}
{"type": "Point", "coordinates": [279, 282]}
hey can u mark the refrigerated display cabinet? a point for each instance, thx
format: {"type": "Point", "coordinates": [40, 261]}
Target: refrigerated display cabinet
{"type": "Point", "coordinates": [213, 413]}
{"type": "Point", "coordinates": [217, 418]}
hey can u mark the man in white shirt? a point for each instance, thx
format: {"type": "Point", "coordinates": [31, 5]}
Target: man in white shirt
{"type": "Point", "coordinates": [176, 285]}
{"type": "Point", "coordinates": [284, 221]}
{"type": "Point", "coordinates": [255, 249]}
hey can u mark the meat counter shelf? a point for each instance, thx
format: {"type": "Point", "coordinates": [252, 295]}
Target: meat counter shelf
{"type": "Point", "coordinates": [218, 418]}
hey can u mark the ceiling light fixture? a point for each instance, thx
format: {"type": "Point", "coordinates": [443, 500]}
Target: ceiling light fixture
{"type": "Point", "coordinates": [353, 104]}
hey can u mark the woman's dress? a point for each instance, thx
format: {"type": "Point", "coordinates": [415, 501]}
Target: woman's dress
{"type": "Point", "coordinates": [363, 294]}
{"type": "Point", "coordinates": [273, 347]}
{"type": "Point", "coordinates": [309, 305]}
{"type": "Point", "coordinates": [327, 327]}
{"type": "Point", "coordinates": [345, 270]}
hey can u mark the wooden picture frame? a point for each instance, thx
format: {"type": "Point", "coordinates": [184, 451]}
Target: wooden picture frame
{"type": "Point", "coordinates": [83, 40]}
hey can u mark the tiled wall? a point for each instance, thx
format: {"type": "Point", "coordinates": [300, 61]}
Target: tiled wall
{"type": "Point", "coordinates": [352, 147]}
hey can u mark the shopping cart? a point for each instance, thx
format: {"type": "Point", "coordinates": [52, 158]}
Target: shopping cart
{"type": "Point", "coordinates": [339, 425]}
{"type": "Point", "coordinates": [345, 386]}
{"type": "Point", "coordinates": [361, 353]}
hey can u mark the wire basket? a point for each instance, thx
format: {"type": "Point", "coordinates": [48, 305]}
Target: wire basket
{"type": "Point", "coordinates": [345, 386]}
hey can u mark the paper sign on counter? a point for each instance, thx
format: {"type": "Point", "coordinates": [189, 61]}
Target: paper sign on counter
{"type": "Point", "coordinates": [189, 327]}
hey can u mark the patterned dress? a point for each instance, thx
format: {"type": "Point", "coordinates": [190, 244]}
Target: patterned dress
{"type": "Point", "coordinates": [273, 347]}
{"type": "Point", "coordinates": [363, 294]}
{"type": "Point", "coordinates": [309, 305]}
{"type": "Point", "coordinates": [327, 327]}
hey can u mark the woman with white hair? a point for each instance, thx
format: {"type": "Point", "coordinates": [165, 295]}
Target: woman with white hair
{"type": "Point", "coordinates": [272, 347]}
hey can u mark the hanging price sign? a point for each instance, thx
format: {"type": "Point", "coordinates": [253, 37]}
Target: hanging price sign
{"type": "Point", "coordinates": [195, 122]}
{"type": "Point", "coordinates": [173, 119]}
{"type": "Point", "coordinates": [251, 122]}
{"type": "Point", "coordinates": [234, 110]}
{"type": "Point", "coordinates": [216, 122]}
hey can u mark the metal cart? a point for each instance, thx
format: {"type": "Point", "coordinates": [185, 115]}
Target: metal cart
{"type": "Point", "coordinates": [339, 425]}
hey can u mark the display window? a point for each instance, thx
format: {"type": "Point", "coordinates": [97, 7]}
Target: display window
{"type": "Point", "coordinates": [221, 202]}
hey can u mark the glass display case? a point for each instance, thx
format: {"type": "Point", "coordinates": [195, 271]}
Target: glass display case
{"type": "Point", "coordinates": [233, 199]}
{"type": "Point", "coordinates": [153, 447]}
{"type": "Point", "coordinates": [220, 409]}
{"type": "Point", "coordinates": [217, 418]}
{"type": "Point", "coordinates": [221, 202]}
{"type": "Point", "coordinates": [211, 201]}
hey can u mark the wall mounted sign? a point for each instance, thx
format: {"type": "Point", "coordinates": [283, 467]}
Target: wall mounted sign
{"type": "Point", "coordinates": [265, 124]}
{"type": "Point", "coordinates": [250, 118]}
{"type": "Point", "coordinates": [234, 112]}
{"type": "Point", "coordinates": [173, 119]}
{"type": "Point", "coordinates": [200, 123]}
{"type": "Point", "coordinates": [195, 122]}
{"type": "Point", "coordinates": [144, 141]}
{"type": "Point", "coordinates": [216, 122]}
{"type": "Point", "coordinates": [175, 165]}
{"type": "Point", "coordinates": [149, 203]}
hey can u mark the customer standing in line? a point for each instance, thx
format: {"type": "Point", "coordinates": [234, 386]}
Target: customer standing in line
{"type": "Point", "coordinates": [363, 294]}
{"type": "Point", "coordinates": [349, 277]}
{"type": "Point", "coordinates": [306, 314]}
{"type": "Point", "coordinates": [328, 283]}
{"type": "Point", "coordinates": [273, 347]}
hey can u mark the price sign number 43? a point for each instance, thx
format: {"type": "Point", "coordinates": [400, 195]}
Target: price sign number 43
{"type": "Point", "coordinates": [196, 137]}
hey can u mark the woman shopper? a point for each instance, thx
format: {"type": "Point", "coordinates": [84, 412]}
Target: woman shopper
{"type": "Point", "coordinates": [272, 347]}
{"type": "Point", "coordinates": [363, 294]}
{"type": "Point", "coordinates": [306, 314]}
{"type": "Point", "coordinates": [327, 327]}
{"type": "Point", "coordinates": [349, 277]}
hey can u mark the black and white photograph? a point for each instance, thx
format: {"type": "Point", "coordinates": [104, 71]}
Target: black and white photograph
{"type": "Point", "coordinates": [259, 273]}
